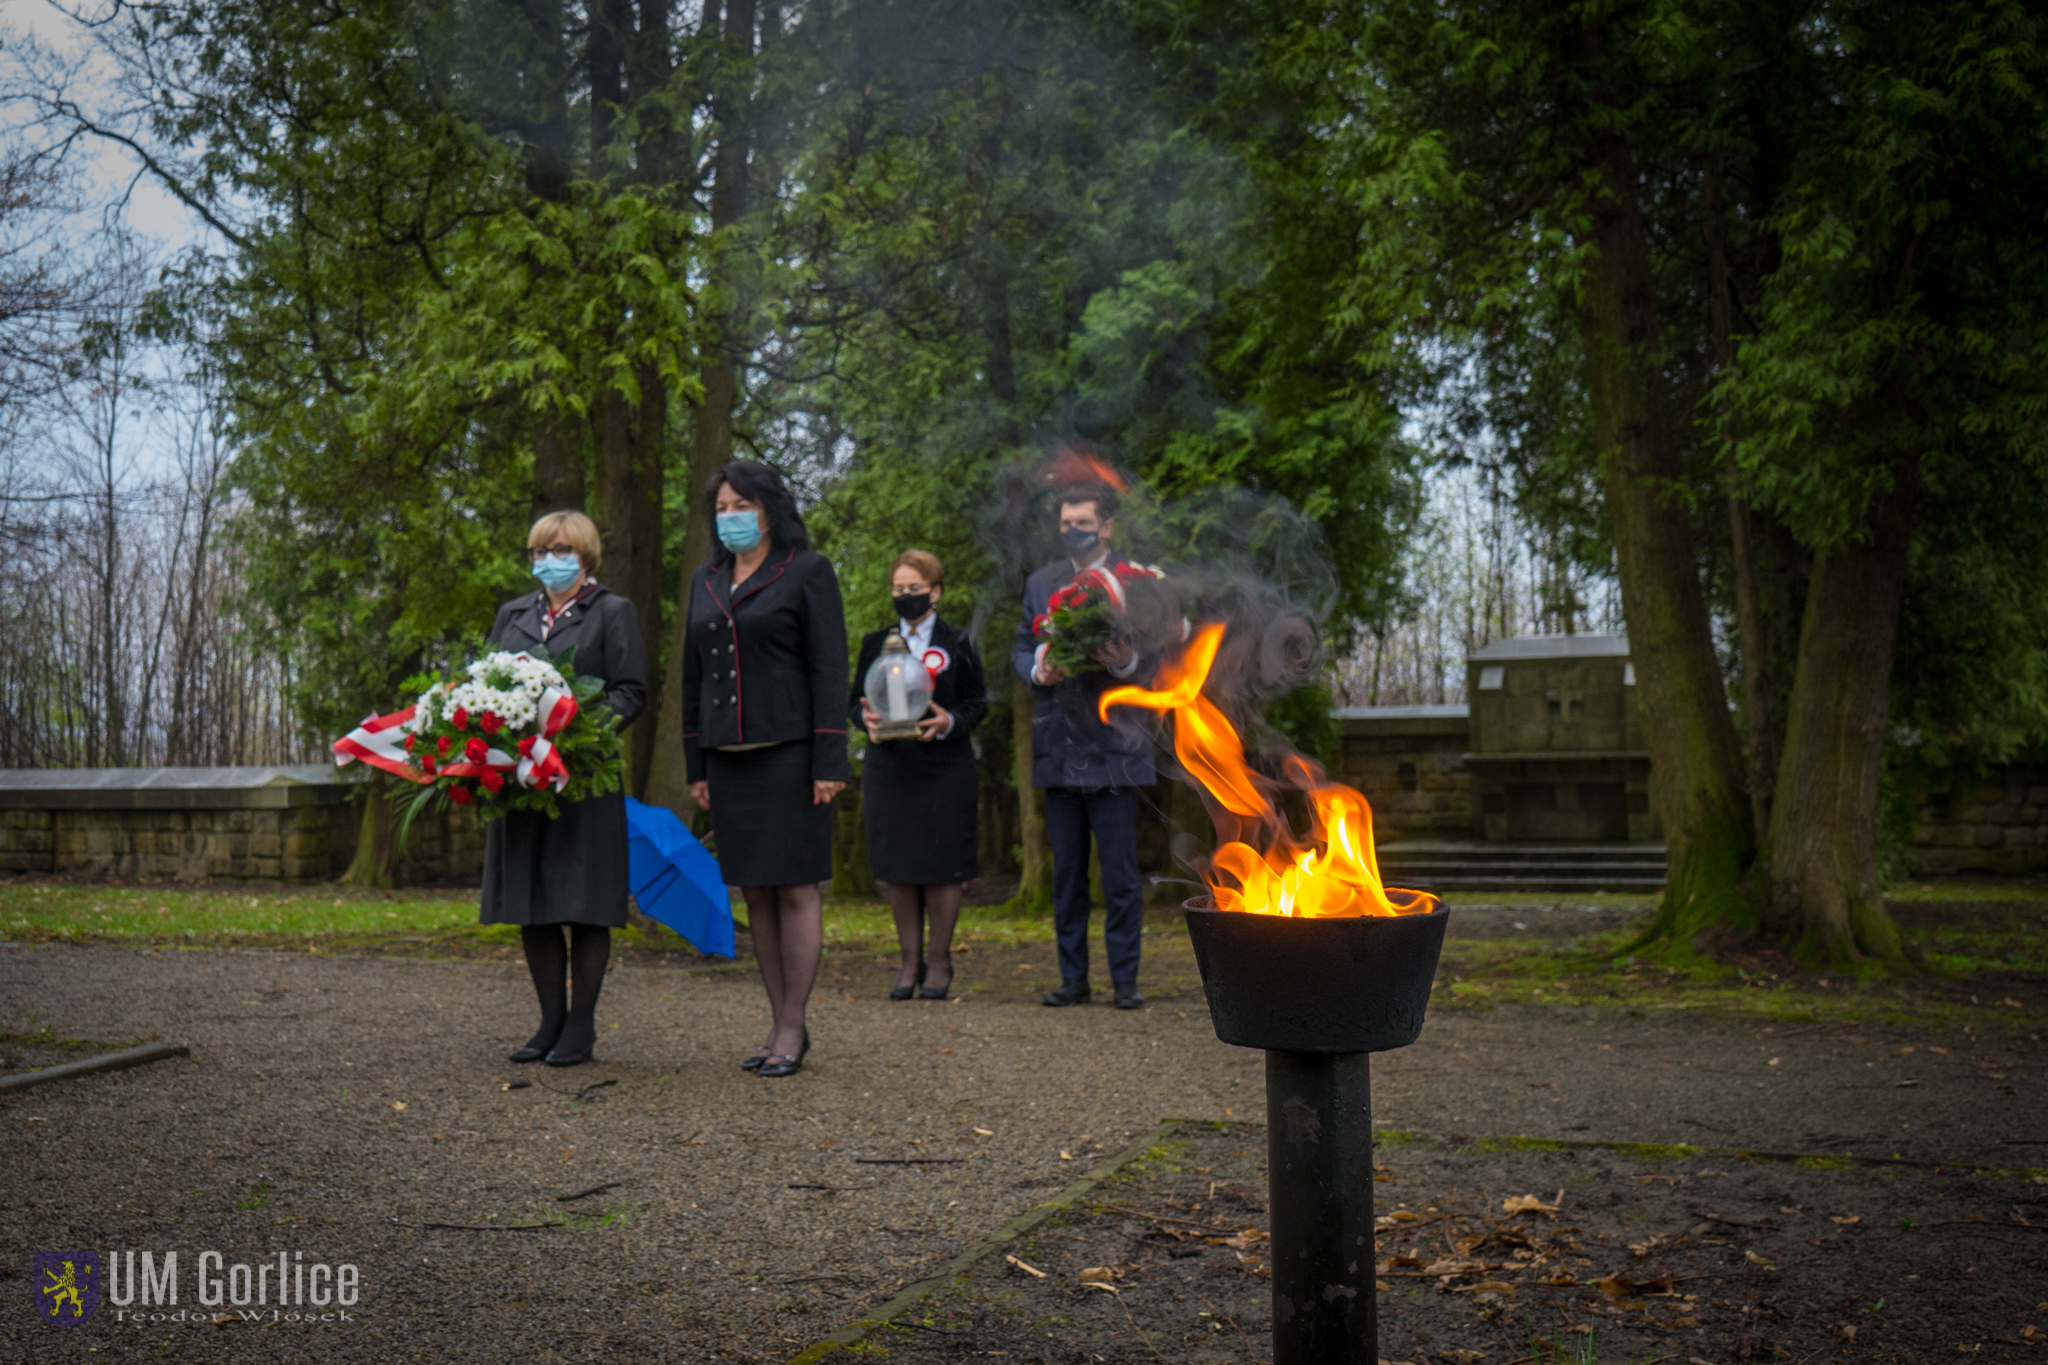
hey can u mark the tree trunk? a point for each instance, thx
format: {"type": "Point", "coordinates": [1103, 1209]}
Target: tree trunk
{"type": "Point", "coordinates": [1818, 868]}
{"type": "Point", "coordinates": [1034, 870]}
{"type": "Point", "coordinates": [377, 844]}
{"type": "Point", "coordinates": [559, 465]}
{"type": "Point", "coordinates": [630, 438]}
{"type": "Point", "coordinates": [1695, 760]}
{"type": "Point", "coordinates": [711, 445]}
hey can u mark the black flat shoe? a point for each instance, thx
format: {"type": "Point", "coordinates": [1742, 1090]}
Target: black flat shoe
{"type": "Point", "coordinates": [905, 992]}
{"type": "Point", "coordinates": [754, 1062]}
{"type": "Point", "coordinates": [529, 1053]}
{"type": "Point", "coordinates": [1070, 993]}
{"type": "Point", "coordinates": [557, 1059]}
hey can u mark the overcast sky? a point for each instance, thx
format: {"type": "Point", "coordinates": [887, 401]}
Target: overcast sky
{"type": "Point", "coordinates": [108, 169]}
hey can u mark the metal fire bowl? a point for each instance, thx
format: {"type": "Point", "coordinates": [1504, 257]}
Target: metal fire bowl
{"type": "Point", "coordinates": [1357, 984]}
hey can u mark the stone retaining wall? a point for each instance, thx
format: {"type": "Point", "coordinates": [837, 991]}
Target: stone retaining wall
{"type": "Point", "coordinates": [1995, 826]}
{"type": "Point", "coordinates": [295, 824]}
{"type": "Point", "coordinates": [1412, 769]}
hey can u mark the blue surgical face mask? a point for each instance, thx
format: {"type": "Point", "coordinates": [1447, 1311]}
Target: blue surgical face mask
{"type": "Point", "coordinates": [739, 531]}
{"type": "Point", "coordinates": [557, 572]}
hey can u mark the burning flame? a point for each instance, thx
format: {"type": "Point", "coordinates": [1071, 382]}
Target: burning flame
{"type": "Point", "coordinates": [1334, 873]}
{"type": "Point", "coordinates": [1073, 465]}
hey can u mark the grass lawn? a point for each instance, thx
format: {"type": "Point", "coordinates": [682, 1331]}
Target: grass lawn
{"type": "Point", "coordinates": [1985, 946]}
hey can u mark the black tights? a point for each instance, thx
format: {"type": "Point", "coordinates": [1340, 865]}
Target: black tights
{"type": "Point", "coordinates": [788, 929]}
{"type": "Point", "coordinates": [910, 905]}
{"type": "Point", "coordinates": [565, 1027]}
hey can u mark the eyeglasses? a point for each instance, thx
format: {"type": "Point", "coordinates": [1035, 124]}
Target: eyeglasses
{"type": "Point", "coordinates": [543, 551]}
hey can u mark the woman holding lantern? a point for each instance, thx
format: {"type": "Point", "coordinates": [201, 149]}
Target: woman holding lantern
{"type": "Point", "coordinates": [919, 691]}
{"type": "Point", "coordinates": [764, 657]}
{"type": "Point", "coordinates": [543, 874]}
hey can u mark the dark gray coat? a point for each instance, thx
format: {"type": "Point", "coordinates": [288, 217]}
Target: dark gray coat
{"type": "Point", "coordinates": [572, 869]}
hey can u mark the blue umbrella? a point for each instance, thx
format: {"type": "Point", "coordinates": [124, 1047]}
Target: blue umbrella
{"type": "Point", "coordinates": [676, 880]}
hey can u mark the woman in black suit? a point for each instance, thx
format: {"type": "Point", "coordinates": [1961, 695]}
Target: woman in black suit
{"type": "Point", "coordinates": [542, 874]}
{"type": "Point", "coordinates": [764, 657]}
{"type": "Point", "coordinates": [919, 797]}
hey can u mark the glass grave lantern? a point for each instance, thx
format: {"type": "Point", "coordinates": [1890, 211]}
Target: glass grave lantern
{"type": "Point", "coordinates": [899, 687]}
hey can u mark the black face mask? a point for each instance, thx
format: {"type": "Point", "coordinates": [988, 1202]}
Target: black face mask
{"type": "Point", "coordinates": [912, 606]}
{"type": "Point", "coordinates": [1078, 542]}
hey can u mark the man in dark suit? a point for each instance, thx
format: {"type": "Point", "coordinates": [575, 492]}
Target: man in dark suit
{"type": "Point", "coordinates": [1089, 771]}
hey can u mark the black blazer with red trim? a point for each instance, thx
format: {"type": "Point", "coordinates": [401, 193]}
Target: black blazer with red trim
{"type": "Point", "coordinates": [766, 664]}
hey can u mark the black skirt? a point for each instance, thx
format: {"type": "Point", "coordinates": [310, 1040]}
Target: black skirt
{"type": "Point", "coordinates": [569, 870]}
{"type": "Point", "coordinates": [767, 830]}
{"type": "Point", "coordinates": [919, 803]}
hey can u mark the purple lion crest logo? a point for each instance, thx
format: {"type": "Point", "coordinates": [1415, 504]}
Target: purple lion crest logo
{"type": "Point", "coordinates": [67, 1286]}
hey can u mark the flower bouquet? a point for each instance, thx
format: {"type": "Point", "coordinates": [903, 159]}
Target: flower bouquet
{"type": "Point", "coordinates": [509, 732]}
{"type": "Point", "coordinates": [1126, 605]}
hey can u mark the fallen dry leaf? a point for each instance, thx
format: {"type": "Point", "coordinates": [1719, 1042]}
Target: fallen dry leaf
{"type": "Point", "coordinates": [1901, 1085]}
{"type": "Point", "coordinates": [1528, 1203]}
{"type": "Point", "coordinates": [1097, 1272]}
{"type": "Point", "coordinates": [986, 1132]}
{"type": "Point", "coordinates": [398, 1104]}
{"type": "Point", "coordinates": [1848, 1219]}
{"type": "Point", "coordinates": [1066, 1155]}
{"type": "Point", "coordinates": [1027, 1269]}
{"type": "Point", "coordinates": [1763, 1261]}
{"type": "Point", "coordinates": [1467, 1356]}
{"type": "Point", "coordinates": [2014, 1003]}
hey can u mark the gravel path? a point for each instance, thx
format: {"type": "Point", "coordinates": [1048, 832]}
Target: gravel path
{"type": "Point", "coordinates": [333, 1106]}
{"type": "Point", "coordinates": [1654, 1259]}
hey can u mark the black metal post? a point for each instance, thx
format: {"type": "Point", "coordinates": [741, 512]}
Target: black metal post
{"type": "Point", "coordinates": [1319, 1171]}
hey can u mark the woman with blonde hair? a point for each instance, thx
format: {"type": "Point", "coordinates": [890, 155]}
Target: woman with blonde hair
{"type": "Point", "coordinates": [919, 797]}
{"type": "Point", "coordinates": [544, 875]}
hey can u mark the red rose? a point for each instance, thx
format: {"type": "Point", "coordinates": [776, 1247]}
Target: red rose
{"type": "Point", "coordinates": [491, 723]}
{"type": "Point", "coordinates": [427, 764]}
{"type": "Point", "coordinates": [476, 751]}
{"type": "Point", "coordinates": [526, 747]}
{"type": "Point", "coordinates": [1127, 572]}
{"type": "Point", "coordinates": [441, 746]}
{"type": "Point", "coordinates": [460, 720]}
{"type": "Point", "coordinates": [460, 796]}
{"type": "Point", "coordinates": [492, 779]}
{"type": "Point", "coordinates": [408, 742]}
{"type": "Point", "coordinates": [1040, 624]}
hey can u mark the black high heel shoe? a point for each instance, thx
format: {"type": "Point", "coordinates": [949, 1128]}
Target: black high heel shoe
{"type": "Point", "coordinates": [905, 992]}
{"type": "Point", "coordinates": [535, 1049]}
{"type": "Point", "coordinates": [779, 1066]}
{"type": "Point", "coordinates": [934, 993]}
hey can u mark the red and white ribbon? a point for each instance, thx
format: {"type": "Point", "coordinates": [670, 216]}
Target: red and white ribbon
{"type": "Point", "coordinates": [380, 742]}
{"type": "Point", "coordinates": [542, 763]}
{"type": "Point", "coordinates": [557, 709]}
